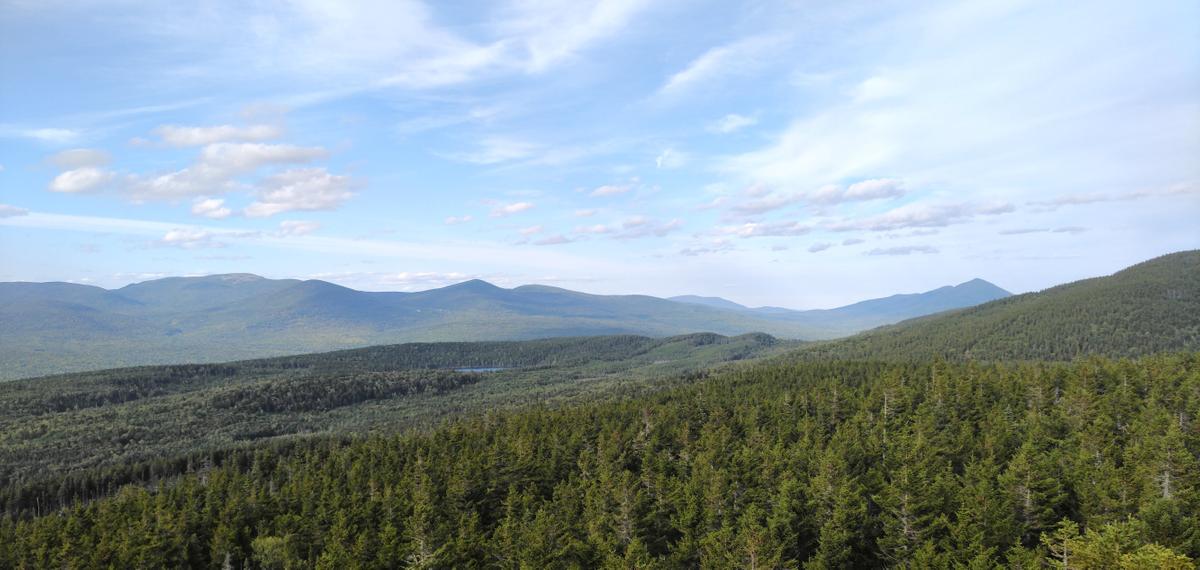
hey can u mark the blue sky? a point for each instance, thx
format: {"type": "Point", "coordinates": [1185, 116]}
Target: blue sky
{"type": "Point", "coordinates": [802, 154]}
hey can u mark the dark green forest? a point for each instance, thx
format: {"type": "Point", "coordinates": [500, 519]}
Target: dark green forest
{"type": "Point", "coordinates": [814, 465]}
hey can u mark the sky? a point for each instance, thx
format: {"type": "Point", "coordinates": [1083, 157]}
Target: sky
{"type": "Point", "coordinates": [796, 154]}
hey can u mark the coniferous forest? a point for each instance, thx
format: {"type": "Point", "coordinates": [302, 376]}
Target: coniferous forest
{"type": "Point", "coordinates": [632, 452]}
{"type": "Point", "coordinates": [813, 465]}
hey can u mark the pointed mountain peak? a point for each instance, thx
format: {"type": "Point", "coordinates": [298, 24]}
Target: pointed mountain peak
{"type": "Point", "coordinates": [982, 285]}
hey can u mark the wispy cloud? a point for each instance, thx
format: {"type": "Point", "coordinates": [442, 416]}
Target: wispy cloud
{"type": "Point", "coordinates": [923, 215]}
{"type": "Point", "coordinates": [504, 210]}
{"type": "Point", "coordinates": [556, 239]}
{"type": "Point", "coordinates": [7, 211]}
{"type": "Point", "coordinates": [767, 229]}
{"type": "Point", "coordinates": [903, 250]}
{"type": "Point", "coordinates": [297, 228]}
{"type": "Point", "coordinates": [46, 135]}
{"type": "Point", "coordinates": [735, 58]}
{"type": "Point", "coordinates": [175, 135]}
{"type": "Point", "coordinates": [213, 208]}
{"type": "Point", "coordinates": [190, 238]}
{"type": "Point", "coordinates": [79, 158]}
{"type": "Point", "coordinates": [731, 123]}
{"type": "Point", "coordinates": [610, 190]}
{"type": "Point", "coordinates": [671, 158]}
{"type": "Point", "coordinates": [641, 226]}
{"type": "Point", "coordinates": [873, 189]}
{"type": "Point", "coordinates": [1180, 189]}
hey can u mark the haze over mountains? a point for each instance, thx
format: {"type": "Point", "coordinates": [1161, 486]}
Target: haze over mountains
{"type": "Point", "coordinates": [61, 327]}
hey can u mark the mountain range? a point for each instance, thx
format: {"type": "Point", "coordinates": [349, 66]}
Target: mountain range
{"type": "Point", "coordinates": [61, 327]}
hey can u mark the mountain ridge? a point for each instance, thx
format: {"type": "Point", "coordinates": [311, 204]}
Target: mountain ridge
{"type": "Point", "coordinates": [65, 327]}
{"type": "Point", "coordinates": [1147, 307]}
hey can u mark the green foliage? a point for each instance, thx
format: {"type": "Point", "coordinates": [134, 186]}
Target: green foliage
{"type": "Point", "coordinates": [767, 465]}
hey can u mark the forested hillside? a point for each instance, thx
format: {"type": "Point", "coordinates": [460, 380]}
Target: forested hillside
{"type": "Point", "coordinates": [54, 427]}
{"type": "Point", "coordinates": [1147, 308]}
{"type": "Point", "coordinates": [814, 465]}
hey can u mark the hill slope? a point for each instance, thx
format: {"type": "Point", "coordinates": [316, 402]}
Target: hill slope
{"type": "Point", "coordinates": [61, 327]}
{"type": "Point", "coordinates": [1149, 307]}
{"type": "Point", "coordinates": [183, 408]}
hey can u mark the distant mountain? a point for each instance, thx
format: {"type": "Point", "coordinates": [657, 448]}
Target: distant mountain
{"type": "Point", "coordinates": [871, 313]}
{"type": "Point", "coordinates": [710, 302]}
{"type": "Point", "coordinates": [62, 327]}
{"type": "Point", "coordinates": [1149, 307]}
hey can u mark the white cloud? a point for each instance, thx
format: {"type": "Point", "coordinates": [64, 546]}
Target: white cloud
{"type": "Point", "coordinates": [454, 220]}
{"type": "Point", "coordinates": [550, 32]}
{"type": "Point", "coordinates": [288, 228]}
{"type": "Point", "coordinates": [1080, 199]}
{"type": "Point", "coordinates": [764, 203]}
{"type": "Point", "coordinates": [852, 241]}
{"type": "Point", "coordinates": [767, 229]}
{"type": "Point", "coordinates": [80, 180]}
{"type": "Point", "coordinates": [47, 135]}
{"type": "Point", "coordinates": [304, 189]}
{"type": "Point", "coordinates": [246, 157]}
{"type": "Point", "coordinates": [496, 150]}
{"type": "Point", "coordinates": [919, 215]}
{"type": "Point", "coordinates": [817, 247]}
{"type": "Point", "coordinates": [190, 238]}
{"type": "Point", "coordinates": [1043, 130]}
{"type": "Point", "coordinates": [735, 58]}
{"type": "Point", "coordinates": [874, 189]}
{"type": "Point", "coordinates": [7, 211]}
{"type": "Point", "coordinates": [216, 169]}
{"type": "Point", "coordinates": [877, 88]}
{"type": "Point", "coordinates": [903, 250]}
{"type": "Point", "coordinates": [1062, 230]}
{"type": "Point", "coordinates": [731, 123]}
{"type": "Point", "coordinates": [631, 228]}
{"type": "Point", "coordinates": [502, 210]}
{"type": "Point", "coordinates": [716, 247]}
{"type": "Point", "coordinates": [213, 208]}
{"type": "Point", "coordinates": [594, 229]}
{"type": "Point", "coordinates": [79, 158]}
{"type": "Point", "coordinates": [670, 158]}
{"type": "Point", "coordinates": [557, 239]}
{"type": "Point", "coordinates": [531, 230]}
{"type": "Point", "coordinates": [611, 190]}
{"type": "Point", "coordinates": [175, 135]}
